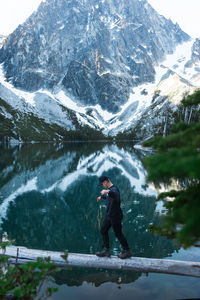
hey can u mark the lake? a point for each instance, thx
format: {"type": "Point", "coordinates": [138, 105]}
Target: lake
{"type": "Point", "coordinates": [48, 201]}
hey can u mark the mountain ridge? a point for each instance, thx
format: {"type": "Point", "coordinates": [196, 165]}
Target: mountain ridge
{"type": "Point", "coordinates": [106, 68]}
{"type": "Point", "coordinates": [97, 52]}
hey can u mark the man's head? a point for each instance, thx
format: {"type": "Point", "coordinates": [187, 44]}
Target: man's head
{"type": "Point", "coordinates": [104, 181]}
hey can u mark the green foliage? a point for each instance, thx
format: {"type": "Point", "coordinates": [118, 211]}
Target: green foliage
{"type": "Point", "coordinates": [178, 160]}
{"type": "Point", "coordinates": [184, 135]}
{"type": "Point", "coordinates": [5, 244]}
{"type": "Point", "coordinates": [193, 99]}
{"type": "Point", "coordinates": [24, 281]}
{"type": "Point", "coordinates": [175, 163]}
{"type": "Point", "coordinates": [182, 219]}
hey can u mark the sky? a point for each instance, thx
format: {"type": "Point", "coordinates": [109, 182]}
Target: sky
{"type": "Point", "coordinates": [184, 12]}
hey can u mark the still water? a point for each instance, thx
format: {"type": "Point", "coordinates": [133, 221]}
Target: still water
{"type": "Point", "coordinates": [48, 201]}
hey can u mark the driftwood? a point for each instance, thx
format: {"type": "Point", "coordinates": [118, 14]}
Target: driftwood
{"type": "Point", "coordinates": [22, 255]}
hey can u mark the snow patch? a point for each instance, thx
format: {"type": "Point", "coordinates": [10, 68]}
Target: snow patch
{"type": "Point", "coordinates": [67, 102]}
{"type": "Point", "coordinates": [174, 88]}
{"type": "Point", "coordinates": [21, 94]}
{"type": "Point", "coordinates": [82, 120]}
{"type": "Point", "coordinates": [62, 27]}
{"type": "Point", "coordinates": [31, 185]}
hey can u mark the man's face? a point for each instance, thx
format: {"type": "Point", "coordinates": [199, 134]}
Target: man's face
{"type": "Point", "coordinates": [105, 184]}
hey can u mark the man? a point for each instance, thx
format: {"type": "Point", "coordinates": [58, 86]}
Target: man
{"type": "Point", "coordinates": [113, 218]}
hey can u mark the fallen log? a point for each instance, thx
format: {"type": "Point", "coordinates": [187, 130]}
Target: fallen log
{"type": "Point", "coordinates": [22, 255]}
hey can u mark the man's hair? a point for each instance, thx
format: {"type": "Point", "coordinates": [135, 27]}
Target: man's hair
{"type": "Point", "coordinates": [103, 178]}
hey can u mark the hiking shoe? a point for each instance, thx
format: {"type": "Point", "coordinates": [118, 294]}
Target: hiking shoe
{"type": "Point", "coordinates": [104, 253]}
{"type": "Point", "coordinates": [125, 254]}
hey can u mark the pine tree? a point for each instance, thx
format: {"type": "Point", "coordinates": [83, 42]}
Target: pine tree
{"type": "Point", "coordinates": [177, 158]}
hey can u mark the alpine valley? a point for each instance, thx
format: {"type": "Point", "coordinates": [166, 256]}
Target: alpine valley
{"type": "Point", "coordinates": [88, 69]}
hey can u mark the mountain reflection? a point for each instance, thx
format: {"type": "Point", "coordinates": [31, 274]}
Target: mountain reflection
{"type": "Point", "coordinates": [48, 200]}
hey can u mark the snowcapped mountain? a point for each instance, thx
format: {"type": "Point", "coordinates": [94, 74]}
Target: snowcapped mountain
{"type": "Point", "coordinates": [176, 76]}
{"type": "Point", "coordinates": [101, 64]}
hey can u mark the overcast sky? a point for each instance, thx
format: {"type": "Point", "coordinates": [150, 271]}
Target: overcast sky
{"type": "Point", "coordinates": [185, 12]}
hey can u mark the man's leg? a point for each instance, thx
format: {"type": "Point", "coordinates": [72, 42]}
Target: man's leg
{"type": "Point", "coordinates": [117, 227]}
{"type": "Point", "coordinates": [104, 231]}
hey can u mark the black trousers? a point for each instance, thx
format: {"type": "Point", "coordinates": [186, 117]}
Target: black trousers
{"type": "Point", "coordinates": [117, 227]}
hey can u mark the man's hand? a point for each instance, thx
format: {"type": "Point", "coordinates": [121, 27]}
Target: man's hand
{"type": "Point", "coordinates": [98, 198]}
{"type": "Point", "coordinates": [103, 192]}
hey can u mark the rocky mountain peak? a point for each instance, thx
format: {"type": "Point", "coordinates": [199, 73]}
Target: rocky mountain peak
{"type": "Point", "coordinates": [96, 51]}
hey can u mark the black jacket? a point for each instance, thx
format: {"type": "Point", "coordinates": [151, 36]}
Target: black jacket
{"type": "Point", "coordinates": [113, 210]}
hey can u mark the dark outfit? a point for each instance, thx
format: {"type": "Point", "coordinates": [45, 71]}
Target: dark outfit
{"type": "Point", "coordinates": [113, 218]}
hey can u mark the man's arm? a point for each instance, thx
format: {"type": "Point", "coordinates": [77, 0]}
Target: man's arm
{"type": "Point", "coordinates": [113, 192]}
{"type": "Point", "coordinates": [104, 194]}
{"type": "Point", "coordinates": [114, 195]}
{"type": "Point", "coordinates": [98, 198]}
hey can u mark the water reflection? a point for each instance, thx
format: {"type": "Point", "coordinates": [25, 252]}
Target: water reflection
{"type": "Point", "coordinates": [48, 200]}
{"type": "Point", "coordinates": [77, 276]}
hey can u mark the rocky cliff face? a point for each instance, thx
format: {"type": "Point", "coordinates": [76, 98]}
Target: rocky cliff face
{"type": "Point", "coordinates": [95, 51]}
{"type": "Point", "coordinates": [196, 51]}
{"type": "Point", "coordinates": [195, 56]}
{"type": "Point", "coordinates": [2, 39]}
